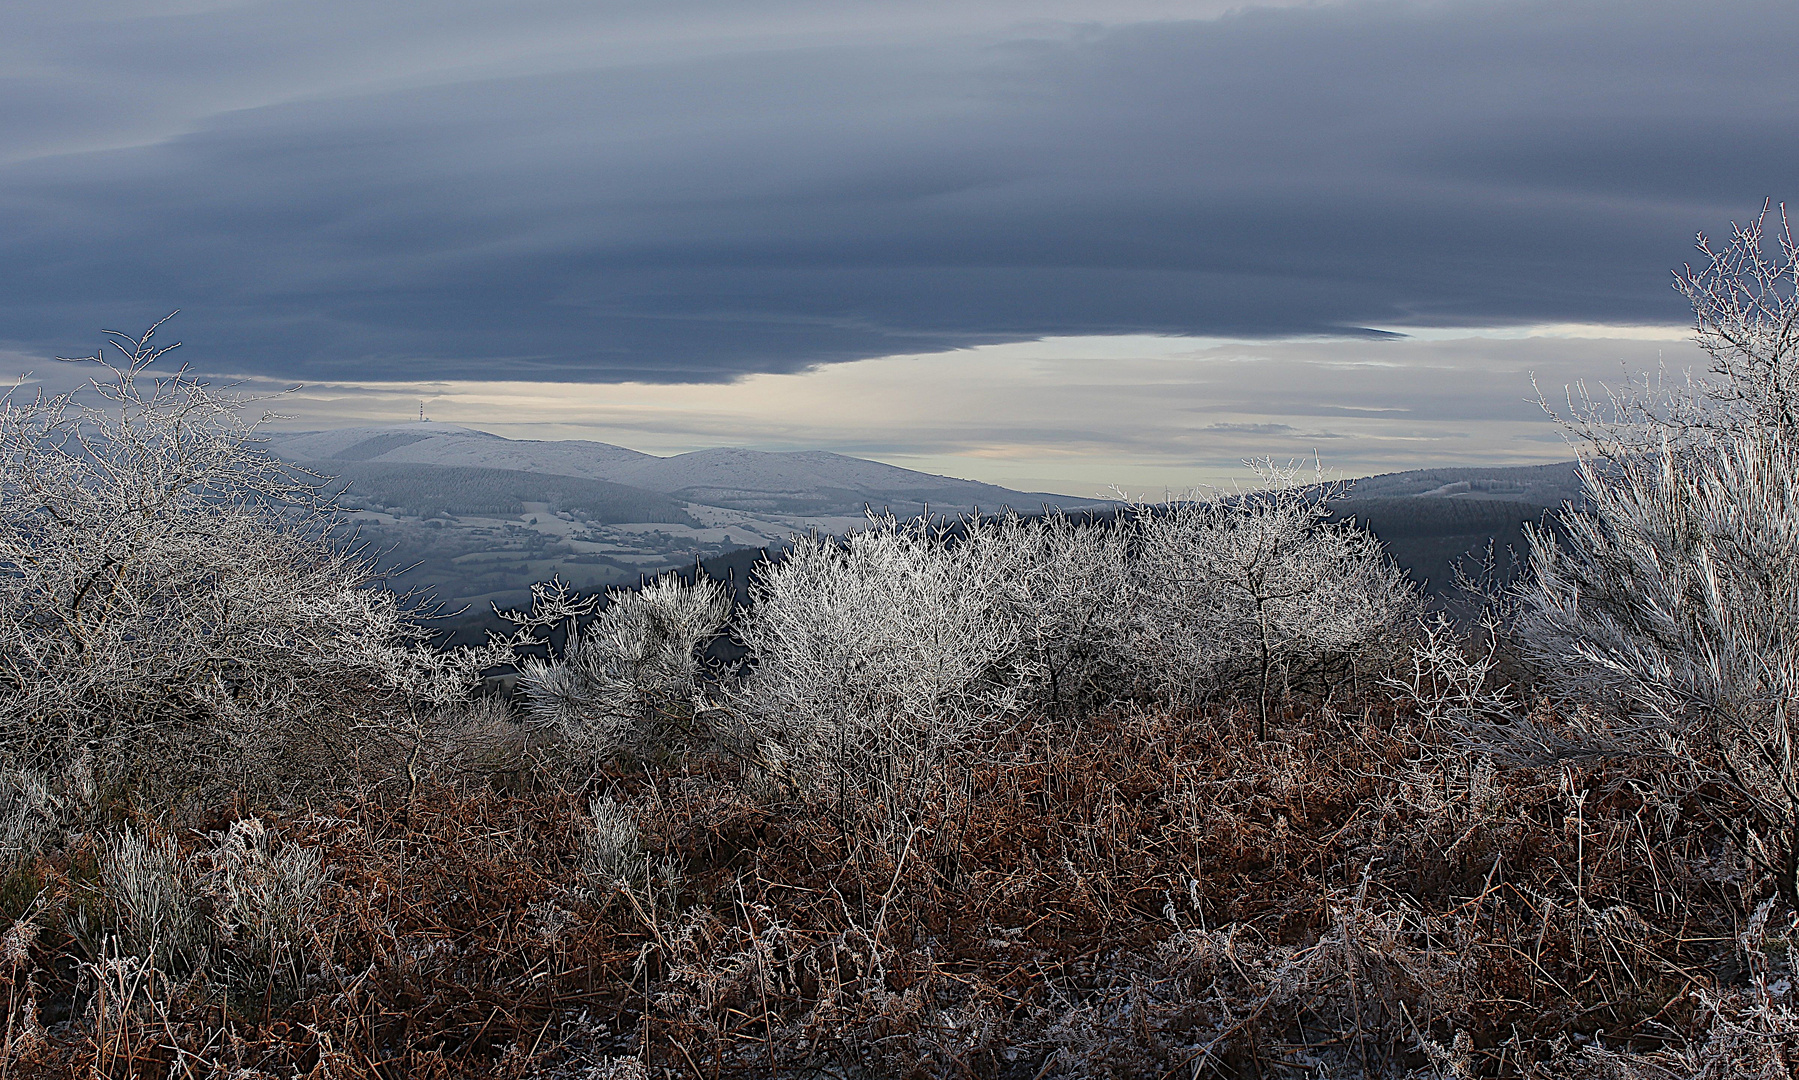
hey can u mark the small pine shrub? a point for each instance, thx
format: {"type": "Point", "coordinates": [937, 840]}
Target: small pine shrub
{"type": "Point", "coordinates": [612, 855]}
{"type": "Point", "coordinates": [1666, 617]}
{"type": "Point", "coordinates": [631, 680]}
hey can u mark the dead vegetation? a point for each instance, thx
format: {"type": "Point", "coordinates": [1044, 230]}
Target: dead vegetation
{"type": "Point", "coordinates": [1138, 895]}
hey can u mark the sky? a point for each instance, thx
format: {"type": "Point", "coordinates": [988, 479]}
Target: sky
{"type": "Point", "coordinates": [1061, 244]}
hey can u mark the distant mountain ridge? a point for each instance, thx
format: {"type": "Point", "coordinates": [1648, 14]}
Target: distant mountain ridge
{"type": "Point", "coordinates": [1540, 485]}
{"type": "Point", "coordinates": [469, 517]}
{"type": "Point", "coordinates": [800, 482]}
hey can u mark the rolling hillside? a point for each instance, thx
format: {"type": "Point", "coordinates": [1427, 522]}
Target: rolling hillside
{"type": "Point", "coordinates": [804, 482]}
{"type": "Point", "coordinates": [1539, 485]}
{"type": "Point", "coordinates": [429, 491]}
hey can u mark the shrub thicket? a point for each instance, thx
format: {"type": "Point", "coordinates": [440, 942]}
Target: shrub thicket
{"type": "Point", "coordinates": [880, 662]}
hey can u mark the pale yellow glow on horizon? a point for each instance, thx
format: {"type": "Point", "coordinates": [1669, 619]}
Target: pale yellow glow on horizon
{"type": "Point", "coordinates": [1079, 415]}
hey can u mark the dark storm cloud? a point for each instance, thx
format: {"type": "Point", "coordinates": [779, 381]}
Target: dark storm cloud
{"type": "Point", "coordinates": [489, 197]}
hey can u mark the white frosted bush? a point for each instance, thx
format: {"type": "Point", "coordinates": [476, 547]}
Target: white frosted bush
{"type": "Point", "coordinates": [236, 916]}
{"type": "Point", "coordinates": [612, 848]}
{"type": "Point", "coordinates": [1065, 586]}
{"type": "Point", "coordinates": [1670, 607]}
{"type": "Point", "coordinates": [1452, 680]}
{"type": "Point", "coordinates": [1234, 592]}
{"type": "Point", "coordinates": [265, 898]}
{"type": "Point", "coordinates": [154, 893]}
{"type": "Point", "coordinates": [29, 814]}
{"type": "Point", "coordinates": [631, 677]}
{"type": "Point", "coordinates": [878, 656]}
{"type": "Point", "coordinates": [174, 602]}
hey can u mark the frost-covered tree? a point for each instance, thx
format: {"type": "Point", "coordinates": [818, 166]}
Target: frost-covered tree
{"type": "Point", "coordinates": [1239, 589]}
{"type": "Point", "coordinates": [1064, 584]}
{"type": "Point", "coordinates": [1672, 603]}
{"type": "Point", "coordinates": [175, 603]}
{"type": "Point", "coordinates": [631, 679]}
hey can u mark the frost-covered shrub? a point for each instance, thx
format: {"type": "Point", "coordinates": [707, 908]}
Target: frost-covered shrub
{"type": "Point", "coordinates": [155, 897]}
{"type": "Point", "coordinates": [1065, 585]}
{"type": "Point", "coordinates": [236, 917]}
{"type": "Point", "coordinates": [615, 864]}
{"type": "Point", "coordinates": [1670, 609]}
{"type": "Point", "coordinates": [174, 602]}
{"type": "Point", "coordinates": [265, 898]}
{"type": "Point", "coordinates": [1451, 678]}
{"type": "Point", "coordinates": [470, 739]}
{"type": "Point", "coordinates": [612, 848]}
{"type": "Point", "coordinates": [1233, 593]}
{"type": "Point", "coordinates": [29, 813]}
{"type": "Point", "coordinates": [632, 677]}
{"type": "Point", "coordinates": [878, 656]}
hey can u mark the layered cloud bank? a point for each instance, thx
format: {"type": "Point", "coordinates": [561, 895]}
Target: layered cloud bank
{"type": "Point", "coordinates": [694, 191]}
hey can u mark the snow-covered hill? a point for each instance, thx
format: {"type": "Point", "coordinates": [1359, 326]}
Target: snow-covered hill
{"type": "Point", "coordinates": [798, 482]}
{"type": "Point", "coordinates": [446, 444]}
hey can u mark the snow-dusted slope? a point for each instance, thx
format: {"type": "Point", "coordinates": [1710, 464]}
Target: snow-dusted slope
{"type": "Point", "coordinates": [447, 444]}
{"type": "Point", "coordinates": [351, 444]}
{"type": "Point", "coordinates": [799, 471]}
{"type": "Point", "coordinates": [801, 482]}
